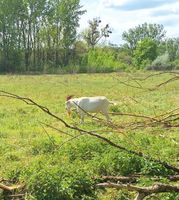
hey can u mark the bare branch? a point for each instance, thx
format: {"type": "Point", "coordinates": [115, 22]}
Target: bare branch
{"type": "Point", "coordinates": [143, 191]}
{"type": "Point", "coordinates": [156, 74]}
{"type": "Point", "coordinates": [166, 82]}
{"type": "Point", "coordinates": [123, 179]}
{"type": "Point", "coordinates": [139, 86]}
{"type": "Point", "coordinates": [173, 178]}
{"type": "Point", "coordinates": [11, 188]}
{"type": "Point", "coordinates": [134, 115]}
{"type": "Point", "coordinates": [57, 129]}
{"type": "Point", "coordinates": [70, 139]}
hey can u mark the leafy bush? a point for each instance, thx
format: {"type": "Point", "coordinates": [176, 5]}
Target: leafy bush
{"type": "Point", "coordinates": [145, 52]}
{"type": "Point", "coordinates": [155, 169]}
{"type": "Point", "coordinates": [161, 63]}
{"type": "Point", "coordinates": [102, 60]}
{"type": "Point", "coordinates": [85, 149]}
{"type": "Point", "coordinates": [116, 162]}
{"type": "Point", "coordinates": [176, 64]}
{"type": "Point", "coordinates": [64, 182]}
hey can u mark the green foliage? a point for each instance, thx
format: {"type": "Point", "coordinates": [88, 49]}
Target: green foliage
{"type": "Point", "coordinates": [161, 63]}
{"type": "Point", "coordinates": [103, 60]}
{"type": "Point", "coordinates": [56, 182]}
{"type": "Point", "coordinates": [37, 33]}
{"type": "Point", "coordinates": [43, 146]}
{"type": "Point", "coordinates": [172, 48]}
{"type": "Point", "coordinates": [115, 195]}
{"type": "Point", "coordinates": [145, 52]}
{"type": "Point", "coordinates": [169, 196]}
{"type": "Point", "coordinates": [85, 149]}
{"type": "Point", "coordinates": [154, 169]}
{"type": "Point", "coordinates": [118, 163]}
{"type": "Point", "coordinates": [176, 64]}
{"type": "Point", "coordinates": [134, 35]}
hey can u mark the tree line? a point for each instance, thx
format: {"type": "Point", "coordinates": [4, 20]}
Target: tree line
{"type": "Point", "coordinates": [41, 36]}
{"type": "Point", "coordinates": [35, 33]}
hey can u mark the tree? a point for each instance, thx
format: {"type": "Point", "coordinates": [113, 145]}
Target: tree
{"type": "Point", "coordinates": [69, 13]}
{"type": "Point", "coordinates": [94, 33]}
{"type": "Point", "coordinates": [172, 47]}
{"type": "Point", "coordinates": [145, 52]}
{"type": "Point", "coordinates": [134, 35]}
{"type": "Point", "coordinates": [34, 33]}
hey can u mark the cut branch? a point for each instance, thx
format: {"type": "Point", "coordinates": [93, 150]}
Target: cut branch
{"type": "Point", "coordinates": [123, 179]}
{"type": "Point", "coordinates": [11, 188]}
{"type": "Point", "coordinates": [143, 191]}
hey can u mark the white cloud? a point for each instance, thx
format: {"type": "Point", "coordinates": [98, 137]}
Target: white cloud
{"type": "Point", "coordinates": [121, 20]}
{"type": "Point", "coordinates": [111, 3]}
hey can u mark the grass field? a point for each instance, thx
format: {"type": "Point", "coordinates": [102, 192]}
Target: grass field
{"type": "Point", "coordinates": [33, 153]}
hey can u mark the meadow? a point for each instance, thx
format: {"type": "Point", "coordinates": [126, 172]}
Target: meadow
{"type": "Point", "coordinates": [53, 168]}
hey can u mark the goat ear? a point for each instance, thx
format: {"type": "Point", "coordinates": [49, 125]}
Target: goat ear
{"type": "Point", "coordinates": [69, 97]}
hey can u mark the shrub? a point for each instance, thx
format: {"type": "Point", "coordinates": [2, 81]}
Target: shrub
{"type": "Point", "coordinates": [64, 182]}
{"type": "Point", "coordinates": [116, 162]}
{"type": "Point", "coordinates": [176, 64]}
{"type": "Point", "coordinates": [103, 60]}
{"type": "Point", "coordinates": [161, 63]}
{"type": "Point", "coordinates": [145, 52]}
{"type": "Point", "coordinates": [152, 168]}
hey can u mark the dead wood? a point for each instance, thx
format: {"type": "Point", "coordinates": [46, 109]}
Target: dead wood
{"type": "Point", "coordinates": [142, 191]}
{"type": "Point", "coordinates": [122, 179]}
{"type": "Point", "coordinates": [133, 178]}
{"type": "Point", "coordinates": [174, 177]}
{"type": "Point", "coordinates": [134, 115]}
{"type": "Point", "coordinates": [11, 188]}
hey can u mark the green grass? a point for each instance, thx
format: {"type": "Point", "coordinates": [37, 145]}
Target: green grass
{"type": "Point", "coordinates": [28, 152]}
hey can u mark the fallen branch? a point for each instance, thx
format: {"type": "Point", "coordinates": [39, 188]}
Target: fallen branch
{"type": "Point", "coordinates": [174, 78]}
{"type": "Point", "coordinates": [157, 74]}
{"type": "Point", "coordinates": [142, 191]}
{"type": "Point", "coordinates": [173, 178]}
{"type": "Point", "coordinates": [11, 188]}
{"type": "Point", "coordinates": [123, 179]}
{"type": "Point", "coordinates": [134, 177]}
{"type": "Point", "coordinates": [134, 115]}
{"type": "Point", "coordinates": [166, 82]}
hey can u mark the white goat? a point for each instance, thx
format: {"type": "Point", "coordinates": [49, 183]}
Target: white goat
{"type": "Point", "coordinates": [88, 104]}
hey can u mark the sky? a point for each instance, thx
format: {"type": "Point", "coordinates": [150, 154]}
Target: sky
{"type": "Point", "coordinates": [124, 14]}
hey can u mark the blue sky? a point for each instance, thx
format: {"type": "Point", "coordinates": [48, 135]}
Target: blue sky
{"type": "Point", "coordinates": [125, 14]}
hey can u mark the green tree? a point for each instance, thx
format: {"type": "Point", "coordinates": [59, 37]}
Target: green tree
{"type": "Point", "coordinates": [36, 33]}
{"type": "Point", "coordinates": [172, 47]}
{"type": "Point", "coordinates": [70, 12]}
{"type": "Point", "coordinates": [145, 52]}
{"type": "Point", "coordinates": [134, 35]}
